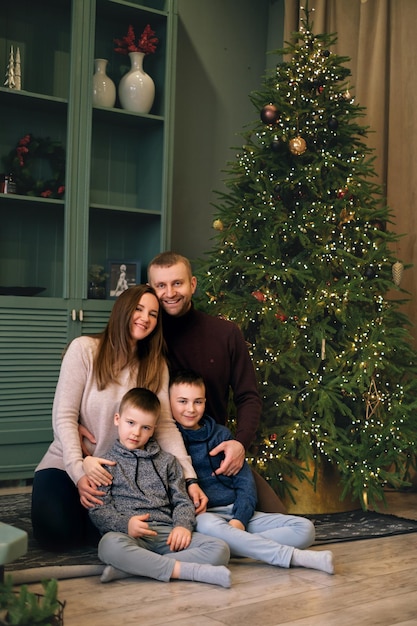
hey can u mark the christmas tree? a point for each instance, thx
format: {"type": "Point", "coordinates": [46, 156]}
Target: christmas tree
{"type": "Point", "coordinates": [302, 261]}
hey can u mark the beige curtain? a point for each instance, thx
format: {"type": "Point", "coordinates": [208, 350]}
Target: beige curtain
{"type": "Point", "coordinates": [379, 38]}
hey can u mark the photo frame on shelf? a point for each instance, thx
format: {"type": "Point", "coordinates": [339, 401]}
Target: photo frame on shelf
{"type": "Point", "coordinates": [121, 275]}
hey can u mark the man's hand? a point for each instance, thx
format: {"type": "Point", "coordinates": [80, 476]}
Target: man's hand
{"type": "Point", "coordinates": [89, 494]}
{"type": "Point", "coordinates": [198, 497]}
{"type": "Point", "coordinates": [236, 524]}
{"type": "Point", "coordinates": [179, 538]}
{"type": "Point", "coordinates": [97, 474]}
{"type": "Point", "coordinates": [234, 457]}
{"type": "Point", "coordinates": [139, 527]}
{"type": "Point", "coordinates": [84, 433]}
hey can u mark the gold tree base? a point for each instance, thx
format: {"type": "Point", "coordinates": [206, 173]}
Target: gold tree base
{"type": "Point", "coordinates": [324, 499]}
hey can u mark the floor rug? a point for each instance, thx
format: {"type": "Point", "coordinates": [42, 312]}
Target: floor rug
{"type": "Point", "coordinates": [38, 564]}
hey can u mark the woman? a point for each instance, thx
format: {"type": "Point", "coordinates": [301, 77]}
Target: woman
{"type": "Point", "coordinates": [96, 372]}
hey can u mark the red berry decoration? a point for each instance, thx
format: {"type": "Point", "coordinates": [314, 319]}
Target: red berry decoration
{"type": "Point", "coordinates": [269, 114]}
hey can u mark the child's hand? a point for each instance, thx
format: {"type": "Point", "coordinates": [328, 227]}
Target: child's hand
{"type": "Point", "coordinates": [93, 468]}
{"type": "Point", "coordinates": [198, 497]}
{"type": "Point", "coordinates": [179, 539]}
{"type": "Point", "coordinates": [84, 433]}
{"type": "Point", "coordinates": [236, 524]}
{"type": "Point", "coordinates": [138, 526]}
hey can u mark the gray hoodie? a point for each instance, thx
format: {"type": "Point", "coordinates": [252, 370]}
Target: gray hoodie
{"type": "Point", "coordinates": [144, 481]}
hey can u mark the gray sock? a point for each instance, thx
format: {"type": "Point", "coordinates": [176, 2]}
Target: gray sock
{"type": "Point", "coordinates": [322, 560]}
{"type": "Point", "coordinates": [212, 574]}
{"type": "Point", "coordinates": [112, 573]}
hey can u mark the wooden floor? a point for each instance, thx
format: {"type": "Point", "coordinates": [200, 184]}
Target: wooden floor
{"type": "Point", "coordinates": [375, 584]}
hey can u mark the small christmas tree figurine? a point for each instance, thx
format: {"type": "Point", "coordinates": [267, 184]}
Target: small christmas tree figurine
{"type": "Point", "coordinates": [17, 71]}
{"type": "Point", "coordinates": [302, 263]}
{"type": "Point", "coordinates": [10, 71]}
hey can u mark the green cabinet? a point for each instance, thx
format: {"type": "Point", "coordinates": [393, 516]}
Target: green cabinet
{"type": "Point", "coordinates": [115, 208]}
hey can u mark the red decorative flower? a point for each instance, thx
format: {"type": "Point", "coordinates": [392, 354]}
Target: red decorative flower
{"type": "Point", "coordinates": [146, 43]}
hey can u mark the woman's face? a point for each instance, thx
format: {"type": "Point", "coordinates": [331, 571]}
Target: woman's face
{"type": "Point", "coordinates": [145, 317]}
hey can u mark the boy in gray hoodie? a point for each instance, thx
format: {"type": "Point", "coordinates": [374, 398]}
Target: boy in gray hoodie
{"type": "Point", "coordinates": [147, 518]}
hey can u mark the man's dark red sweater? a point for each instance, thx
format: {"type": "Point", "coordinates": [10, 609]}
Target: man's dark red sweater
{"type": "Point", "coordinates": [216, 349]}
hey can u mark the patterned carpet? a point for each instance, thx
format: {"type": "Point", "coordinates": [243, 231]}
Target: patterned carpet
{"type": "Point", "coordinates": [37, 563]}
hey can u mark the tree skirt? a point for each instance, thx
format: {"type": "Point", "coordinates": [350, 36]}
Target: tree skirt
{"type": "Point", "coordinates": [38, 564]}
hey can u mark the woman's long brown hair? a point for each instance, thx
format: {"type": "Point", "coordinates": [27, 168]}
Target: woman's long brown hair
{"type": "Point", "coordinates": [115, 347]}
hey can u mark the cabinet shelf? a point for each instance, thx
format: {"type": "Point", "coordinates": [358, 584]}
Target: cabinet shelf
{"type": "Point", "coordinates": [27, 99]}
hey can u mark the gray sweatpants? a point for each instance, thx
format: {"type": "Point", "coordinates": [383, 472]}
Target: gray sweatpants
{"type": "Point", "coordinates": [152, 557]}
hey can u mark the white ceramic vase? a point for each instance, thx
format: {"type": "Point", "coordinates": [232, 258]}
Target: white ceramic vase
{"type": "Point", "coordinates": [104, 89]}
{"type": "Point", "coordinates": [136, 88]}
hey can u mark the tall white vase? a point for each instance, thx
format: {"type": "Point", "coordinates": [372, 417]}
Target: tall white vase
{"type": "Point", "coordinates": [104, 89]}
{"type": "Point", "coordinates": [136, 88]}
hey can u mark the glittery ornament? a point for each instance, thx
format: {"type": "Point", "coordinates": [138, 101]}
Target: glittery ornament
{"type": "Point", "coordinates": [297, 145]}
{"type": "Point", "coordinates": [269, 114]}
{"type": "Point", "coordinates": [218, 225]}
{"type": "Point", "coordinates": [397, 272]}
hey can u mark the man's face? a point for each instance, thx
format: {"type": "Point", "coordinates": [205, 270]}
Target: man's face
{"type": "Point", "coordinates": [174, 287]}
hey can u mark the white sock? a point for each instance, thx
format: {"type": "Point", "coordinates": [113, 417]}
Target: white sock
{"type": "Point", "coordinates": [322, 560]}
{"type": "Point", "coordinates": [112, 573]}
{"type": "Point", "coordinates": [212, 574]}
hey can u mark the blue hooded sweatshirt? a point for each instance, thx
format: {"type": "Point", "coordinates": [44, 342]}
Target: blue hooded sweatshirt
{"type": "Point", "coordinates": [221, 490]}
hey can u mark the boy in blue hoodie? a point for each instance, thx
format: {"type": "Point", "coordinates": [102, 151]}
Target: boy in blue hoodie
{"type": "Point", "coordinates": [147, 518]}
{"type": "Point", "coordinates": [275, 538]}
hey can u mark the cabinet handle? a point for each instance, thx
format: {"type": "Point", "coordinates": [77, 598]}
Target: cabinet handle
{"type": "Point", "coordinates": [81, 315]}
{"type": "Point", "coordinates": [74, 315]}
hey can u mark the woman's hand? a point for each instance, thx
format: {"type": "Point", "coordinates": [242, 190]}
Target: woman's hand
{"type": "Point", "coordinates": [89, 494]}
{"type": "Point", "coordinates": [234, 457]}
{"type": "Point", "coordinates": [179, 538]}
{"type": "Point", "coordinates": [198, 497]}
{"type": "Point", "coordinates": [96, 473]}
{"type": "Point", "coordinates": [139, 527]}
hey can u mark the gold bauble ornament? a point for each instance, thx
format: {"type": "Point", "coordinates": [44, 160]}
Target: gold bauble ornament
{"type": "Point", "coordinates": [297, 145]}
{"type": "Point", "coordinates": [218, 225]}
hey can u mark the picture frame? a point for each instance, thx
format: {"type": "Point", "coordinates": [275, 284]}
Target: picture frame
{"type": "Point", "coordinates": [122, 274]}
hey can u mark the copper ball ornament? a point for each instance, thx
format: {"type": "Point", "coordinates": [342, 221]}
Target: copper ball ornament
{"type": "Point", "coordinates": [269, 114]}
{"type": "Point", "coordinates": [297, 145]}
{"type": "Point", "coordinates": [218, 225]}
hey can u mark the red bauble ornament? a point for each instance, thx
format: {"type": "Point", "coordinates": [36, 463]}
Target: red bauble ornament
{"type": "Point", "coordinates": [259, 296]}
{"type": "Point", "coordinates": [269, 114]}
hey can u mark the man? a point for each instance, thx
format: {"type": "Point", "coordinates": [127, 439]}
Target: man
{"type": "Point", "coordinates": [216, 349]}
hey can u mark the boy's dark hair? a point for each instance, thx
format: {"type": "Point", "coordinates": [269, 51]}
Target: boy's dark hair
{"type": "Point", "coordinates": [141, 398]}
{"type": "Point", "coordinates": [186, 377]}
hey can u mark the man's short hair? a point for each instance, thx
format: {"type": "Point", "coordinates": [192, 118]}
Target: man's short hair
{"type": "Point", "coordinates": [169, 258]}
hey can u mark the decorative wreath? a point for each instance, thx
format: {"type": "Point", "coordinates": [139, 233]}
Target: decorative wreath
{"type": "Point", "coordinates": [20, 164]}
